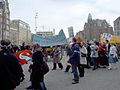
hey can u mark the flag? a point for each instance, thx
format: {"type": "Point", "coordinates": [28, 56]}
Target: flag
{"type": "Point", "coordinates": [24, 56]}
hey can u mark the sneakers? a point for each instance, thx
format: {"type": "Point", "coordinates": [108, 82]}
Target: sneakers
{"type": "Point", "coordinates": [75, 82]}
{"type": "Point", "coordinates": [109, 68]}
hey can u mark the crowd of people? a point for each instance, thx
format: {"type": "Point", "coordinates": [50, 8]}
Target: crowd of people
{"type": "Point", "coordinates": [11, 72]}
{"type": "Point", "coordinates": [90, 55]}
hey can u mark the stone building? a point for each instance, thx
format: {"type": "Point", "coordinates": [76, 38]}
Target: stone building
{"type": "Point", "coordinates": [22, 30]}
{"type": "Point", "coordinates": [94, 27]}
{"type": "Point", "coordinates": [14, 33]}
{"type": "Point", "coordinates": [117, 26]}
{"type": "Point", "coordinates": [80, 34]}
{"type": "Point", "coordinates": [4, 20]}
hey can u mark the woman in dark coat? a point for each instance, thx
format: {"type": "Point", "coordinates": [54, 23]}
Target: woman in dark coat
{"type": "Point", "coordinates": [39, 69]}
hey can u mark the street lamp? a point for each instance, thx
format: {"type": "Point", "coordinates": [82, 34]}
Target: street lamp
{"type": "Point", "coordinates": [36, 17]}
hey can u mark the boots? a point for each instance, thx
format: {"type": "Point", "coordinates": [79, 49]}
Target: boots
{"type": "Point", "coordinates": [81, 70]}
{"type": "Point", "coordinates": [67, 68]}
{"type": "Point", "coordinates": [60, 65]}
{"type": "Point", "coordinates": [54, 66]}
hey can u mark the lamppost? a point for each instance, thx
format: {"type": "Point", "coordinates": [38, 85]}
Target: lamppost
{"type": "Point", "coordinates": [2, 8]}
{"type": "Point", "coordinates": [36, 17]}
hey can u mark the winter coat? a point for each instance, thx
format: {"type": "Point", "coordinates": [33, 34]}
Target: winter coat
{"type": "Point", "coordinates": [38, 73]}
{"type": "Point", "coordinates": [113, 55]}
{"type": "Point", "coordinates": [113, 51]}
{"type": "Point", "coordinates": [83, 55]}
{"type": "Point", "coordinates": [10, 71]}
{"type": "Point", "coordinates": [94, 51]}
{"type": "Point", "coordinates": [56, 55]}
{"type": "Point", "coordinates": [75, 56]}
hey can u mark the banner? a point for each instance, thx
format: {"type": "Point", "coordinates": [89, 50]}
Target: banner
{"type": "Point", "coordinates": [106, 36]}
{"type": "Point", "coordinates": [59, 39]}
{"type": "Point", "coordinates": [111, 38]}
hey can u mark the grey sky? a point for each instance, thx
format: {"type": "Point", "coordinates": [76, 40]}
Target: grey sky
{"type": "Point", "coordinates": [60, 14]}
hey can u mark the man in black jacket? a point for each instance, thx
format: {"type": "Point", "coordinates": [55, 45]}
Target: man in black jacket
{"type": "Point", "coordinates": [11, 73]}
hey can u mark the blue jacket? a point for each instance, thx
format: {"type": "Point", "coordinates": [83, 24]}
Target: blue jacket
{"type": "Point", "coordinates": [75, 56]}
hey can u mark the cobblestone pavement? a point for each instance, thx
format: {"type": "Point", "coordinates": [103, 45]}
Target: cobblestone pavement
{"type": "Point", "coordinates": [100, 79]}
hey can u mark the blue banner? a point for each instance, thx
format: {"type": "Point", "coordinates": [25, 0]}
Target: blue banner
{"type": "Point", "coordinates": [59, 39]}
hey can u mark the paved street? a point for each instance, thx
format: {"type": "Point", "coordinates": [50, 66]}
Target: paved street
{"type": "Point", "coordinates": [100, 79]}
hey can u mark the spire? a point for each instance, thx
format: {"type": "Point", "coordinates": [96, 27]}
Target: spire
{"type": "Point", "coordinates": [89, 17]}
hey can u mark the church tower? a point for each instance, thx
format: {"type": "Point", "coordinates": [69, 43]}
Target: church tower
{"type": "Point", "coordinates": [89, 18]}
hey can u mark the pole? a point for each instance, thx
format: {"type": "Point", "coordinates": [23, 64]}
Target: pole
{"type": "Point", "coordinates": [36, 17]}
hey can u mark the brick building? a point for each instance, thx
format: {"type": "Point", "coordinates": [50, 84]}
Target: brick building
{"type": "Point", "coordinates": [94, 27]}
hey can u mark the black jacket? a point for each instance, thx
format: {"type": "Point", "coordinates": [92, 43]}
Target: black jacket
{"type": "Point", "coordinates": [10, 71]}
{"type": "Point", "coordinates": [39, 67]}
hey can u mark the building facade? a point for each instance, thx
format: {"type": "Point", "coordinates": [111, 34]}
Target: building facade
{"type": "Point", "coordinates": [45, 33]}
{"type": "Point", "coordinates": [80, 34]}
{"type": "Point", "coordinates": [4, 20]}
{"type": "Point", "coordinates": [22, 30]}
{"type": "Point", "coordinates": [117, 26]}
{"type": "Point", "coordinates": [70, 32]}
{"type": "Point", "coordinates": [94, 27]}
{"type": "Point", "coordinates": [14, 33]}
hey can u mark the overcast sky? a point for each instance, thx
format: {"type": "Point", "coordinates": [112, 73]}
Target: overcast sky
{"type": "Point", "coordinates": [60, 14]}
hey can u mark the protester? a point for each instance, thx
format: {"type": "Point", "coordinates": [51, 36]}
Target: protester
{"type": "Point", "coordinates": [75, 60]}
{"type": "Point", "coordinates": [69, 53]}
{"type": "Point", "coordinates": [38, 69]}
{"type": "Point", "coordinates": [113, 57]}
{"type": "Point", "coordinates": [11, 73]}
{"type": "Point", "coordinates": [94, 55]}
{"type": "Point", "coordinates": [89, 63]}
{"type": "Point", "coordinates": [83, 60]}
{"type": "Point", "coordinates": [103, 60]}
{"type": "Point", "coordinates": [56, 58]}
{"type": "Point", "coordinates": [45, 54]}
{"type": "Point", "coordinates": [23, 46]}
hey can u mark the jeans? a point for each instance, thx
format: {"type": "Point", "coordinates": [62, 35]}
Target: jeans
{"type": "Point", "coordinates": [37, 86]}
{"type": "Point", "coordinates": [75, 72]}
{"type": "Point", "coordinates": [94, 60]}
{"type": "Point", "coordinates": [42, 86]}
